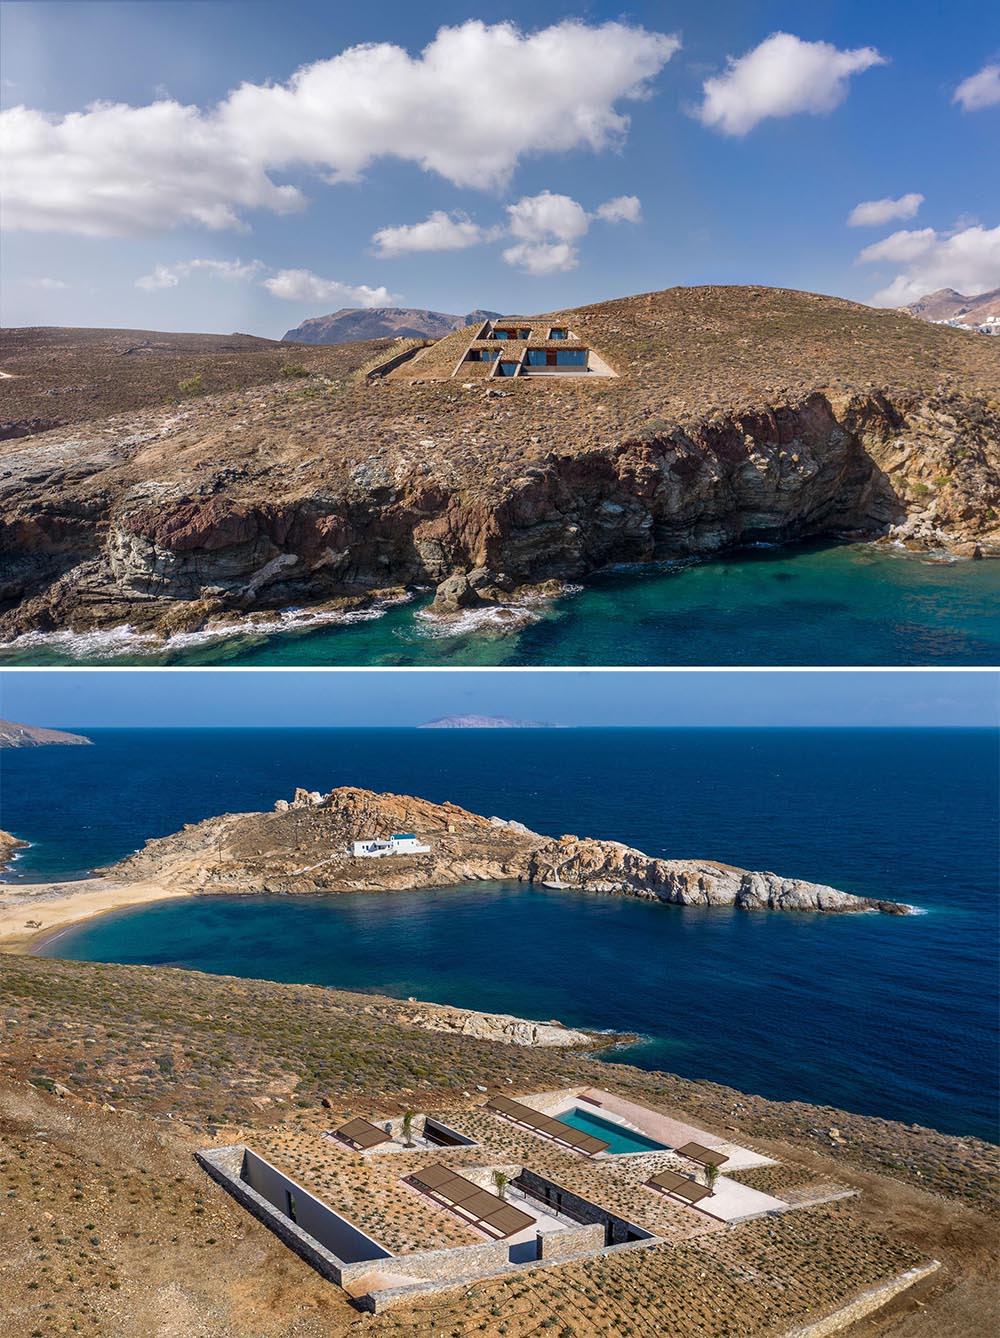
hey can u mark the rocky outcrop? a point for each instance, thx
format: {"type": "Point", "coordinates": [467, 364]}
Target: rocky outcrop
{"type": "Point", "coordinates": [14, 735]}
{"type": "Point", "coordinates": [304, 846]}
{"type": "Point", "coordinates": [501, 1027]}
{"type": "Point", "coordinates": [8, 844]}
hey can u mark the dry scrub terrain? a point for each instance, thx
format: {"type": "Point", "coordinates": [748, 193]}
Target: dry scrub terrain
{"type": "Point", "coordinates": [739, 415]}
{"type": "Point", "coordinates": [107, 1227]}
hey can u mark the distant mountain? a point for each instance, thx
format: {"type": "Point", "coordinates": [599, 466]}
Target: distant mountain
{"type": "Point", "coordinates": [13, 735]}
{"type": "Point", "coordinates": [947, 305]}
{"type": "Point", "coordinates": [350, 324]}
{"type": "Point", "coordinates": [486, 722]}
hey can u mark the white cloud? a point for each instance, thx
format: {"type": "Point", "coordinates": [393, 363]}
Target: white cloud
{"type": "Point", "coordinates": [438, 232]}
{"type": "Point", "coordinates": [967, 260]}
{"type": "Point", "coordinates": [115, 169]}
{"type": "Point", "coordinates": [899, 247]}
{"type": "Point", "coordinates": [301, 285]}
{"type": "Point", "coordinates": [622, 209]}
{"type": "Point", "coordinates": [169, 276]}
{"type": "Point", "coordinates": [979, 90]}
{"type": "Point", "coordinates": [781, 77]}
{"type": "Point", "coordinates": [546, 227]}
{"type": "Point", "coordinates": [546, 215]}
{"type": "Point", "coordinates": [120, 170]}
{"type": "Point", "coordinates": [49, 285]}
{"type": "Point", "coordinates": [875, 213]}
{"type": "Point", "coordinates": [539, 258]}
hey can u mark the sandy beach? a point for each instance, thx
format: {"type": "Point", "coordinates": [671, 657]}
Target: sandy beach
{"type": "Point", "coordinates": [34, 912]}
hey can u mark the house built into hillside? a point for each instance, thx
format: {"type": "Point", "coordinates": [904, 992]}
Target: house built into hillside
{"type": "Point", "coordinates": [516, 346]}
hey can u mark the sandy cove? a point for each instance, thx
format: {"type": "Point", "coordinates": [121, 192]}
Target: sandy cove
{"type": "Point", "coordinates": [32, 913]}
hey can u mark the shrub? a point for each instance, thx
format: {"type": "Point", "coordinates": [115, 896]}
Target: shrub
{"type": "Point", "coordinates": [194, 385]}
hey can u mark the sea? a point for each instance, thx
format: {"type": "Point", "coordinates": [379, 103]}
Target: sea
{"type": "Point", "coordinates": [831, 604]}
{"type": "Point", "coordinates": [885, 1015]}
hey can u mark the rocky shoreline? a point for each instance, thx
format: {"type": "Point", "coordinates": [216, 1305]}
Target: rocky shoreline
{"type": "Point", "coordinates": [331, 495]}
{"type": "Point", "coordinates": [304, 846]}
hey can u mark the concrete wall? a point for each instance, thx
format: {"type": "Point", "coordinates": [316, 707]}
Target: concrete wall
{"type": "Point", "coordinates": [617, 1230]}
{"type": "Point", "coordinates": [225, 1165]}
{"type": "Point", "coordinates": [335, 1233]}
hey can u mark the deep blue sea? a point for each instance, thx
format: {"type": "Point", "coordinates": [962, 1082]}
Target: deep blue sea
{"type": "Point", "coordinates": [847, 604]}
{"type": "Point", "coordinates": [894, 1016]}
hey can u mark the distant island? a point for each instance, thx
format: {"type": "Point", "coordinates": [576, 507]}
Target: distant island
{"type": "Point", "coordinates": [486, 722]}
{"type": "Point", "coordinates": [14, 735]}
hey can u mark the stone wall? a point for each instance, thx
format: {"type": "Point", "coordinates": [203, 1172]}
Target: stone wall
{"type": "Point", "coordinates": [555, 1246]}
{"type": "Point", "coordinates": [618, 1230]}
{"type": "Point", "coordinates": [865, 1304]}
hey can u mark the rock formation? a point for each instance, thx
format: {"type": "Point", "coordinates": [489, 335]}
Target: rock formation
{"type": "Point", "coordinates": [304, 845]}
{"type": "Point", "coordinates": [738, 416]}
{"type": "Point", "coordinates": [14, 735]}
{"type": "Point", "coordinates": [8, 844]}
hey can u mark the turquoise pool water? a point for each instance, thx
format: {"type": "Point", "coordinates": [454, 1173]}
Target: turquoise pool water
{"type": "Point", "coordinates": [617, 1138]}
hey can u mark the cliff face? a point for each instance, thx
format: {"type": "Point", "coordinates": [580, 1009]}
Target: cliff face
{"type": "Point", "coordinates": [8, 844]}
{"type": "Point", "coordinates": [784, 418]}
{"type": "Point", "coordinates": [303, 847]}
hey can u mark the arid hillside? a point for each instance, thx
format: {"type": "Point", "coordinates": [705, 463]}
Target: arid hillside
{"type": "Point", "coordinates": [112, 1077]}
{"type": "Point", "coordinates": [59, 376]}
{"type": "Point", "coordinates": [738, 415]}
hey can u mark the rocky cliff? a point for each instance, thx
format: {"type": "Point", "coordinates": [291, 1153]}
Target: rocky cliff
{"type": "Point", "coordinates": [304, 844]}
{"type": "Point", "coordinates": [738, 416]}
{"type": "Point", "coordinates": [8, 844]}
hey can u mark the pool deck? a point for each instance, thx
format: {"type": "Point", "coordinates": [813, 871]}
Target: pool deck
{"type": "Point", "coordinates": [672, 1133]}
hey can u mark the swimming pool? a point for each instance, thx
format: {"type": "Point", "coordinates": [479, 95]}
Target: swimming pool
{"type": "Point", "coordinates": [618, 1138]}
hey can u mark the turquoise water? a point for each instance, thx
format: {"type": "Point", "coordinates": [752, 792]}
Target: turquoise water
{"type": "Point", "coordinates": [891, 1016]}
{"type": "Point", "coordinates": [618, 1139]}
{"type": "Point", "coordinates": [837, 605]}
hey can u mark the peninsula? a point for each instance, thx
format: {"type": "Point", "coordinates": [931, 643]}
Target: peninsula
{"type": "Point", "coordinates": [15, 735]}
{"type": "Point", "coordinates": [178, 490]}
{"type": "Point", "coordinates": [320, 842]}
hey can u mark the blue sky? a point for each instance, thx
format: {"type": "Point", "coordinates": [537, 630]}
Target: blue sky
{"type": "Point", "coordinates": [736, 172]}
{"type": "Point", "coordinates": [83, 699]}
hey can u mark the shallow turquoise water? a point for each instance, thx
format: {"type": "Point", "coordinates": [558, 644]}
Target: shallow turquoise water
{"type": "Point", "coordinates": [837, 605]}
{"type": "Point", "coordinates": [618, 1139]}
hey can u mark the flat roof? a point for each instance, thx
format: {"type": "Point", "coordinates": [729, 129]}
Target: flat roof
{"type": "Point", "coordinates": [362, 1133]}
{"type": "Point", "coordinates": [484, 1209]}
{"type": "Point", "coordinates": [700, 1153]}
{"type": "Point", "coordinates": [547, 1125]}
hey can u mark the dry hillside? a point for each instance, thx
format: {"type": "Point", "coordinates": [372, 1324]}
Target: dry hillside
{"type": "Point", "coordinates": [738, 415]}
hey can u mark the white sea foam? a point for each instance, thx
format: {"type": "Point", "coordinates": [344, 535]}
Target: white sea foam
{"type": "Point", "coordinates": [493, 618]}
{"type": "Point", "coordinates": [106, 643]}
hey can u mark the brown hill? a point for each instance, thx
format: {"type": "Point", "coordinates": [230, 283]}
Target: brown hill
{"type": "Point", "coordinates": [351, 324]}
{"type": "Point", "coordinates": [946, 305]}
{"type": "Point", "coordinates": [14, 735]}
{"type": "Point", "coordinates": [738, 415]}
{"type": "Point", "coordinates": [54, 376]}
{"type": "Point", "coordinates": [112, 1077]}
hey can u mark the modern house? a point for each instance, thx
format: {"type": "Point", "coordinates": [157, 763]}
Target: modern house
{"type": "Point", "coordinates": [516, 346]}
{"type": "Point", "coordinates": [403, 843]}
